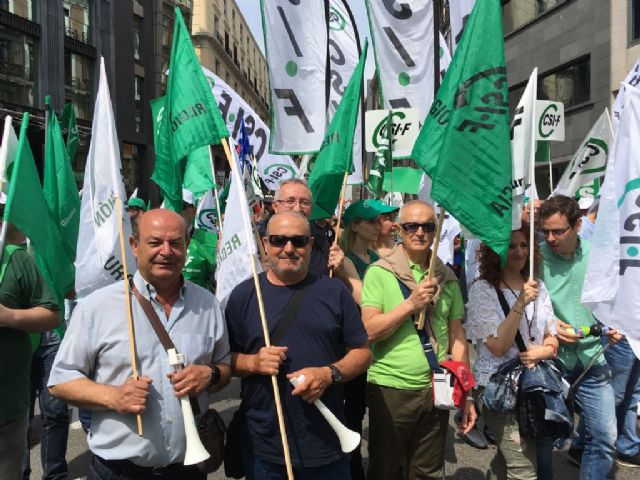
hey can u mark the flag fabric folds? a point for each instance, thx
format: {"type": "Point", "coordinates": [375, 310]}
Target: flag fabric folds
{"type": "Point", "coordinates": [612, 281]}
{"type": "Point", "coordinates": [190, 118]}
{"type": "Point", "coordinates": [335, 156]}
{"type": "Point", "coordinates": [464, 144]}
{"type": "Point", "coordinates": [59, 186]}
{"type": "Point", "coordinates": [8, 150]}
{"type": "Point", "coordinates": [459, 11]}
{"type": "Point", "coordinates": [73, 137]}
{"type": "Point", "coordinates": [98, 259]}
{"type": "Point", "coordinates": [582, 177]}
{"type": "Point", "coordinates": [631, 81]}
{"type": "Point", "coordinates": [382, 161]}
{"type": "Point", "coordinates": [27, 209]}
{"type": "Point", "coordinates": [237, 245]}
{"type": "Point", "coordinates": [295, 39]}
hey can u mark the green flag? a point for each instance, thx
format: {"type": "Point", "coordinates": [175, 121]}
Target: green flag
{"type": "Point", "coordinates": [59, 186]}
{"type": "Point", "coordinates": [198, 177]}
{"type": "Point", "coordinates": [383, 160]}
{"type": "Point", "coordinates": [73, 137]}
{"type": "Point", "coordinates": [464, 143]}
{"type": "Point", "coordinates": [405, 180]}
{"type": "Point", "coordinates": [336, 152]}
{"type": "Point", "coordinates": [190, 118]}
{"type": "Point", "coordinates": [27, 209]}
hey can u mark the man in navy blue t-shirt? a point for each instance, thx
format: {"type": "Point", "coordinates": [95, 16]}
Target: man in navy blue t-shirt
{"type": "Point", "coordinates": [326, 342]}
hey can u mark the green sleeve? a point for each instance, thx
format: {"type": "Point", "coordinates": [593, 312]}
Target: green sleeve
{"type": "Point", "coordinates": [456, 312]}
{"type": "Point", "coordinates": [373, 288]}
{"type": "Point", "coordinates": [34, 290]}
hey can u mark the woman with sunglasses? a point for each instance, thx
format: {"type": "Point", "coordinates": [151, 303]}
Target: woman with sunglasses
{"type": "Point", "coordinates": [494, 335]}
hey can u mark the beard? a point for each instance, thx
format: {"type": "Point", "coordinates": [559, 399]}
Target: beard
{"type": "Point", "coordinates": [290, 270]}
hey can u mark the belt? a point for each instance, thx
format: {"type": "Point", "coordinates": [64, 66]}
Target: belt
{"type": "Point", "coordinates": [128, 468]}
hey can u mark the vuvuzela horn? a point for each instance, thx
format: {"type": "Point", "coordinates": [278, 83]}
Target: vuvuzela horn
{"type": "Point", "coordinates": [195, 451]}
{"type": "Point", "coordinates": [349, 440]}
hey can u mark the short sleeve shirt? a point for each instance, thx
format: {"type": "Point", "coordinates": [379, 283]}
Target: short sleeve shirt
{"type": "Point", "coordinates": [327, 324]}
{"type": "Point", "coordinates": [22, 287]}
{"type": "Point", "coordinates": [398, 360]}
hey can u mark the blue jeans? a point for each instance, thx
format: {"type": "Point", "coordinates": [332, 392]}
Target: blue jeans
{"type": "Point", "coordinates": [625, 368]}
{"type": "Point", "coordinates": [256, 469]}
{"type": "Point", "coordinates": [597, 430]}
{"type": "Point", "coordinates": [55, 418]}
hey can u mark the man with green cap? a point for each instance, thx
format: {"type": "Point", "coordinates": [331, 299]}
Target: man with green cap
{"type": "Point", "coordinates": [135, 207]}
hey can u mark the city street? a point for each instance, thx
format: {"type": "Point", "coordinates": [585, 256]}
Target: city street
{"type": "Point", "coordinates": [462, 461]}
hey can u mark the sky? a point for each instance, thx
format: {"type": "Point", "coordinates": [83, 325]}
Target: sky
{"type": "Point", "coordinates": [251, 11]}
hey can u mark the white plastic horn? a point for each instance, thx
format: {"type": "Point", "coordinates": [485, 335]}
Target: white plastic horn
{"type": "Point", "coordinates": [195, 451]}
{"type": "Point", "coordinates": [349, 440]}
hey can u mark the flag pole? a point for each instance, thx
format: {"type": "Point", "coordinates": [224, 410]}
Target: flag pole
{"type": "Point", "coordinates": [340, 207]}
{"type": "Point", "coordinates": [215, 193]}
{"type": "Point", "coordinates": [432, 259]}
{"type": "Point", "coordinates": [267, 340]}
{"type": "Point", "coordinates": [127, 296]}
{"type": "Point", "coordinates": [532, 178]}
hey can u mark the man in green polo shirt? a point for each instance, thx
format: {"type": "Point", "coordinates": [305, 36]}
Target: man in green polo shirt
{"type": "Point", "coordinates": [403, 423]}
{"type": "Point", "coordinates": [26, 305]}
{"type": "Point", "coordinates": [564, 268]}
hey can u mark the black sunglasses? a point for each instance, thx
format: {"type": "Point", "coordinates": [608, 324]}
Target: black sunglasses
{"type": "Point", "coordinates": [412, 227]}
{"type": "Point", "coordinates": [298, 241]}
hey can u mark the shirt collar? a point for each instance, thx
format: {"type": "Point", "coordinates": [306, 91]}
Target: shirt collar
{"type": "Point", "coordinates": [149, 291]}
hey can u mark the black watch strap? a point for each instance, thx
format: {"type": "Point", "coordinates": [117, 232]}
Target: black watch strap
{"type": "Point", "coordinates": [215, 376]}
{"type": "Point", "coordinates": [336, 374]}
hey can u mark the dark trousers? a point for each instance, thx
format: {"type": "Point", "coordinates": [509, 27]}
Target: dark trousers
{"type": "Point", "coordinates": [124, 470]}
{"type": "Point", "coordinates": [354, 409]}
{"type": "Point", "coordinates": [55, 418]}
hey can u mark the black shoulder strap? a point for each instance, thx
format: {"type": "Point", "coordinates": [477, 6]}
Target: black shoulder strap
{"type": "Point", "coordinates": [506, 309]}
{"type": "Point", "coordinates": [290, 313]}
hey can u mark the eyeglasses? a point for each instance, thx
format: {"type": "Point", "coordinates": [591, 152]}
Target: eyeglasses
{"type": "Point", "coordinates": [556, 232]}
{"type": "Point", "coordinates": [292, 202]}
{"type": "Point", "coordinates": [298, 241]}
{"type": "Point", "coordinates": [412, 227]}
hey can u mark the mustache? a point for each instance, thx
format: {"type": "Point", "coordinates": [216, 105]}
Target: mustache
{"type": "Point", "coordinates": [289, 256]}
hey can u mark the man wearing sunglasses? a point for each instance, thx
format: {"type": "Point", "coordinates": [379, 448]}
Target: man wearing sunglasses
{"type": "Point", "coordinates": [564, 267]}
{"type": "Point", "coordinates": [294, 195]}
{"type": "Point", "coordinates": [325, 325]}
{"type": "Point", "coordinates": [403, 423]}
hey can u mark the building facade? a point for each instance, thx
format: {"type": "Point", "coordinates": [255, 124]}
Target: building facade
{"type": "Point", "coordinates": [625, 40]}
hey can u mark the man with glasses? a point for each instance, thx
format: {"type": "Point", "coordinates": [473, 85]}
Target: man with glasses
{"type": "Point", "coordinates": [294, 194]}
{"type": "Point", "coordinates": [324, 325]}
{"type": "Point", "coordinates": [564, 268]}
{"type": "Point", "coordinates": [404, 425]}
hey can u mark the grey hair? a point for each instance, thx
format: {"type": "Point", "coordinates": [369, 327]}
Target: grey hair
{"type": "Point", "coordinates": [291, 213]}
{"type": "Point", "coordinates": [411, 203]}
{"type": "Point", "coordinates": [291, 181]}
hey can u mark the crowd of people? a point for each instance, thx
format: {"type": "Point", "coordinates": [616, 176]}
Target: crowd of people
{"type": "Point", "coordinates": [342, 316]}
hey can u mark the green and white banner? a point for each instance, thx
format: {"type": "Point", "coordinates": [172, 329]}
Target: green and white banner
{"type": "Point", "coordinates": [344, 53]}
{"type": "Point", "coordinates": [296, 44]}
{"type": "Point", "coordinates": [589, 163]}
{"type": "Point", "coordinates": [631, 81]}
{"type": "Point", "coordinates": [459, 11]}
{"type": "Point", "coordinates": [273, 169]}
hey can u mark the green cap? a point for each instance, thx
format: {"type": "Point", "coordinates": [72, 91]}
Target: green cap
{"type": "Point", "coordinates": [136, 202]}
{"type": "Point", "coordinates": [366, 210]}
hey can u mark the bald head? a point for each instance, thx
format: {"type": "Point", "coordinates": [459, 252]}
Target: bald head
{"type": "Point", "coordinates": [160, 217]}
{"type": "Point", "coordinates": [289, 217]}
{"type": "Point", "coordinates": [415, 205]}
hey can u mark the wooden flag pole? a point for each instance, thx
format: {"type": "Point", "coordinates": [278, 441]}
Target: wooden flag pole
{"type": "Point", "coordinates": [340, 207]}
{"type": "Point", "coordinates": [127, 296]}
{"type": "Point", "coordinates": [432, 260]}
{"type": "Point", "coordinates": [267, 342]}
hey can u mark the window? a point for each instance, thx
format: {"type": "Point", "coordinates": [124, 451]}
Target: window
{"type": "Point", "coordinates": [138, 83]}
{"type": "Point", "coordinates": [21, 8]}
{"type": "Point", "coordinates": [78, 83]}
{"type": "Point", "coordinates": [77, 19]}
{"type": "Point", "coordinates": [17, 64]}
{"type": "Point", "coordinates": [137, 33]}
{"type": "Point", "coordinates": [569, 84]}
{"type": "Point", "coordinates": [166, 31]}
{"type": "Point", "coordinates": [517, 13]}
{"type": "Point", "coordinates": [634, 20]}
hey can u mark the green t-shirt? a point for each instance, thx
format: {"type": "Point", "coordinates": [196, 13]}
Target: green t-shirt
{"type": "Point", "coordinates": [398, 360]}
{"type": "Point", "coordinates": [22, 287]}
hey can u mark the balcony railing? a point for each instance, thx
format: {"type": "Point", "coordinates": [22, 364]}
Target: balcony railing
{"type": "Point", "coordinates": [79, 35]}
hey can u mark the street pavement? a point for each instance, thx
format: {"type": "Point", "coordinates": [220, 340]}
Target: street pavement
{"type": "Point", "coordinates": [463, 462]}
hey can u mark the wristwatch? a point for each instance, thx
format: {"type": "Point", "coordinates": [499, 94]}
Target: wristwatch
{"type": "Point", "coordinates": [336, 374]}
{"type": "Point", "coordinates": [215, 376]}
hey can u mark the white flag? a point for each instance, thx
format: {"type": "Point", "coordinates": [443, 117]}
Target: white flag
{"type": "Point", "coordinates": [98, 261]}
{"type": "Point", "coordinates": [403, 44]}
{"type": "Point", "coordinates": [590, 161]}
{"type": "Point", "coordinates": [632, 80]}
{"type": "Point", "coordinates": [612, 283]}
{"type": "Point", "coordinates": [296, 46]}
{"type": "Point", "coordinates": [523, 146]}
{"type": "Point", "coordinates": [273, 169]}
{"type": "Point", "coordinates": [8, 149]}
{"type": "Point", "coordinates": [206, 217]}
{"type": "Point", "coordinates": [450, 230]}
{"type": "Point", "coordinates": [459, 11]}
{"type": "Point", "coordinates": [344, 54]}
{"type": "Point", "coordinates": [237, 247]}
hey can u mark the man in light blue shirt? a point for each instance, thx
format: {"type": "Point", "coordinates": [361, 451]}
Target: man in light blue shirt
{"type": "Point", "coordinates": [93, 370]}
